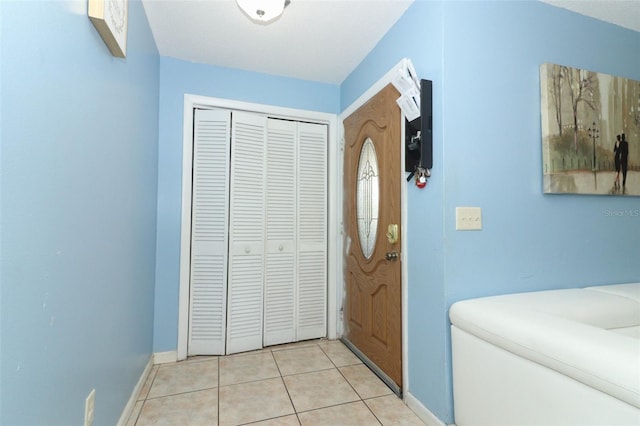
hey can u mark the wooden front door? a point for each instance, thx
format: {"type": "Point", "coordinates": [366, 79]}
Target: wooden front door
{"type": "Point", "coordinates": [373, 280]}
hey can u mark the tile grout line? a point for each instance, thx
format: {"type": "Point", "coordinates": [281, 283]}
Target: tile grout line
{"type": "Point", "coordinates": [285, 387]}
{"type": "Point", "coordinates": [295, 411]}
{"type": "Point", "coordinates": [154, 376]}
{"type": "Point", "coordinates": [144, 400]}
{"type": "Point", "coordinates": [345, 403]}
{"type": "Point", "coordinates": [359, 396]}
{"type": "Point", "coordinates": [352, 387]}
{"type": "Point", "coordinates": [182, 393]}
{"type": "Point", "coordinates": [335, 367]}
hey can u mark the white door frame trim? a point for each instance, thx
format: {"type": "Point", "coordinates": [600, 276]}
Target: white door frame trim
{"type": "Point", "coordinates": [372, 91]}
{"type": "Point", "coordinates": [333, 209]}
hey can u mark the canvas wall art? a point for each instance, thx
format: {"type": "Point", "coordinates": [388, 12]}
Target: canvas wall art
{"type": "Point", "coordinates": [590, 132]}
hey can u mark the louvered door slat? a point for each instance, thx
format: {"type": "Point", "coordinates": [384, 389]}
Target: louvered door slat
{"type": "Point", "coordinates": [312, 231]}
{"type": "Point", "coordinates": [280, 289]}
{"type": "Point", "coordinates": [246, 233]}
{"type": "Point", "coordinates": [311, 295]}
{"type": "Point", "coordinates": [208, 233]}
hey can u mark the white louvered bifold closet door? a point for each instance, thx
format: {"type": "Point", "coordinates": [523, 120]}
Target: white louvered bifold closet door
{"type": "Point", "coordinates": [312, 231]}
{"type": "Point", "coordinates": [259, 232]}
{"type": "Point", "coordinates": [246, 233]}
{"type": "Point", "coordinates": [280, 270]}
{"type": "Point", "coordinates": [207, 299]}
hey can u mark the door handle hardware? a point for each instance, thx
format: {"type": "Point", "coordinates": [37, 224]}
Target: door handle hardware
{"type": "Point", "coordinates": [392, 233]}
{"type": "Point", "coordinates": [392, 255]}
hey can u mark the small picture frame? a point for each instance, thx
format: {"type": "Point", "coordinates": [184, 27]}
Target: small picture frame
{"type": "Point", "coordinates": [110, 19]}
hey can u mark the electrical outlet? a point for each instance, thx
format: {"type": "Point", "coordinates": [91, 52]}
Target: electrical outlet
{"type": "Point", "coordinates": [468, 218]}
{"type": "Point", "coordinates": [89, 408]}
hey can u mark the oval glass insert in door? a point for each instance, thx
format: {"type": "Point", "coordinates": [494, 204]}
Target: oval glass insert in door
{"type": "Point", "coordinates": [367, 198]}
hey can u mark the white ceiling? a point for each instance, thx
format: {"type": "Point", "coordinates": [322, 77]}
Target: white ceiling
{"type": "Point", "coordinates": [625, 13]}
{"type": "Point", "coordinates": [318, 40]}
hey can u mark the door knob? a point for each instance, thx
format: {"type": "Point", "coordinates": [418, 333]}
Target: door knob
{"type": "Point", "coordinates": [392, 255]}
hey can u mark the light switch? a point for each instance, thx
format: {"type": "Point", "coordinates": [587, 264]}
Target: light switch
{"type": "Point", "coordinates": [468, 218]}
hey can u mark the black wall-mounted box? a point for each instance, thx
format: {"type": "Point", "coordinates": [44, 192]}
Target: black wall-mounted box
{"type": "Point", "coordinates": [419, 152]}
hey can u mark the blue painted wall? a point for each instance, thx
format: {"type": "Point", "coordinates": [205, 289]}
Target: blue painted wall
{"type": "Point", "coordinates": [79, 184]}
{"type": "Point", "coordinates": [78, 193]}
{"type": "Point", "coordinates": [178, 78]}
{"type": "Point", "coordinates": [484, 59]}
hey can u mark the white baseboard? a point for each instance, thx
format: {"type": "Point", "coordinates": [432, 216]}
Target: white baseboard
{"type": "Point", "coordinates": [423, 412]}
{"type": "Point", "coordinates": [165, 357]}
{"type": "Point", "coordinates": [156, 358]}
{"type": "Point", "coordinates": [128, 409]}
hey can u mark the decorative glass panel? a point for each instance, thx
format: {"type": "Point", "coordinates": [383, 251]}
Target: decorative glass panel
{"type": "Point", "coordinates": [368, 198]}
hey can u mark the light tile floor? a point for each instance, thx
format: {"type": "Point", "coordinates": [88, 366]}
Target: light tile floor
{"type": "Point", "coordinates": [317, 382]}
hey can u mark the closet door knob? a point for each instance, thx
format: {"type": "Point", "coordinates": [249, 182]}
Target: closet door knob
{"type": "Point", "coordinates": [280, 247]}
{"type": "Point", "coordinates": [247, 249]}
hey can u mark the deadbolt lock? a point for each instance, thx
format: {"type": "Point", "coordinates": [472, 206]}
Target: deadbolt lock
{"type": "Point", "coordinates": [392, 233]}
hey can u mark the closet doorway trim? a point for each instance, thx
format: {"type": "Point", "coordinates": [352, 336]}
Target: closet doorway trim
{"type": "Point", "coordinates": [333, 207]}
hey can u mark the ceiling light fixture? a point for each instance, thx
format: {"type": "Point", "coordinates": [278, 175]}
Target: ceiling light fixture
{"type": "Point", "coordinates": [263, 11]}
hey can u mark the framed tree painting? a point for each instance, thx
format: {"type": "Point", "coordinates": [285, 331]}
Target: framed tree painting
{"type": "Point", "coordinates": [590, 132]}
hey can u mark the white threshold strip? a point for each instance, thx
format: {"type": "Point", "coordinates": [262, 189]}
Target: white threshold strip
{"type": "Point", "coordinates": [373, 367]}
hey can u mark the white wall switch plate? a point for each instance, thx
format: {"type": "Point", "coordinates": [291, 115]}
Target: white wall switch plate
{"type": "Point", "coordinates": [468, 218]}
